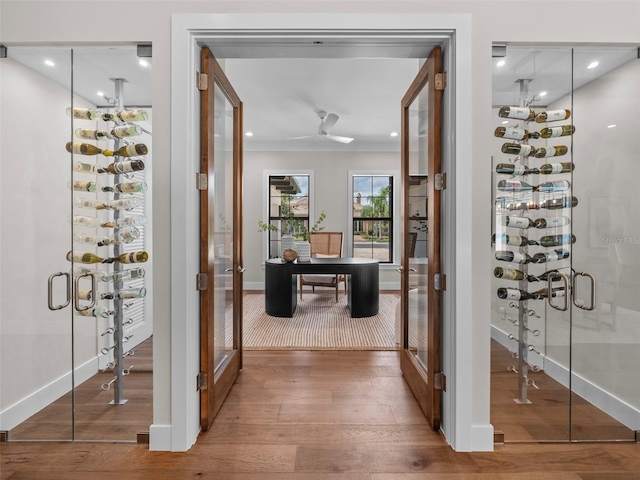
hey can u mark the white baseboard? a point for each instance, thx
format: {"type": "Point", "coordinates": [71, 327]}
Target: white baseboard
{"type": "Point", "coordinates": [160, 438]}
{"type": "Point", "coordinates": [482, 438]}
{"type": "Point", "coordinates": [30, 405]}
{"type": "Point", "coordinates": [605, 401]}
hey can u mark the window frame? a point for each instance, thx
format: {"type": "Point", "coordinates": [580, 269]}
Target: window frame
{"type": "Point", "coordinates": [395, 213]}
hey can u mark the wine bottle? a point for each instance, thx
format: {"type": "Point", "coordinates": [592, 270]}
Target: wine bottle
{"type": "Point", "coordinates": [132, 257]}
{"type": "Point", "coordinates": [552, 116]}
{"type": "Point", "coordinates": [515, 240]}
{"type": "Point", "coordinates": [84, 257]}
{"type": "Point", "coordinates": [520, 113]}
{"type": "Point", "coordinates": [89, 134]}
{"type": "Point", "coordinates": [124, 167]}
{"type": "Point", "coordinates": [131, 274]}
{"type": "Point", "coordinates": [509, 256]}
{"type": "Point", "coordinates": [516, 222]}
{"type": "Point", "coordinates": [85, 221]}
{"type": "Point", "coordinates": [82, 186]}
{"type": "Point", "coordinates": [513, 169]}
{"type": "Point", "coordinates": [522, 206]}
{"type": "Point", "coordinates": [89, 204]}
{"type": "Point", "coordinates": [84, 148]}
{"type": "Point", "coordinates": [518, 149]}
{"type": "Point", "coordinates": [551, 222]}
{"type": "Point", "coordinates": [95, 312]}
{"type": "Point", "coordinates": [515, 294]}
{"type": "Point", "coordinates": [132, 221]}
{"type": "Point", "coordinates": [509, 273]}
{"type": "Point", "coordinates": [132, 150]}
{"type": "Point", "coordinates": [555, 186]}
{"type": "Point", "coordinates": [553, 132]}
{"type": "Point", "coordinates": [562, 202]}
{"type": "Point", "coordinates": [132, 115]}
{"type": "Point", "coordinates": [556, 240]}
{"type": "Point", "coordinates": [552, 168]}
{"type": "Point", "coordinates": [123, 131]}
{"type": "Point", "coordinates": [514, 186]}
{"type": "Point", "coordinates": [127, 187]}
{"type": "Point", "coordinates": [544, 152]}
{"type": "Point", "coordinates": [125, 293]}
{"type": "Point", "coordinates": [555, 292]}
{"type": "Point", "coordinates": [124, 203]}
{"type": "Point", "coordinates": [89, 114]}
{"type": "Point", "coordinates": [551, 256]}
{"type": "Point", "coordinates": [515, 133]}
{"type": "Point", "coordinates": [122, 236]}
{"type": "Point", "coordinates": [86, 168]}
{"type": "Point", "coordinates": [545, 277]}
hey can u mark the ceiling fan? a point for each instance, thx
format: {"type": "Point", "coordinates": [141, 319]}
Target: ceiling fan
{"type": "Point", "coordinates": [327, 121]}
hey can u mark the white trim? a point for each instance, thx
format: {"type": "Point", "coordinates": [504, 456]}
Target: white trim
{"type": "Point", "coordinates": [459, 315]}
{"type": "Point", "coordinates": [20, 411]}
{"type": "Point", "coordinates": [160, 438]}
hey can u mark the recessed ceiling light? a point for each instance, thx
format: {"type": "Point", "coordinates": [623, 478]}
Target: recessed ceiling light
{"type": "Point", "coordinates": [611, 126]}
{"type": "Point", "coordinates": [100, 94]}
{"type": "Point", "coordinates": [248, 134]}
{"type": "Point", "coordinates": [501, 63]}
{"type": "Point", "coordinates": [49, 63]}
{"type": "Point", "coordinates": [143, 62]}
{"type": "Point", "coordinates": [593, 65]}
{"type": "Point", "coordinates": [542, 94]}
{"type": "Point", "coordinates": [504, 122]}
{"type": "Point", "coordinates": [394, 134]}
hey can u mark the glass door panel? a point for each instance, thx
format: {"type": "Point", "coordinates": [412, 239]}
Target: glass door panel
{"type": "Point", "coordinates": [35, 312]}
{"type": "Point", "coordinates": [555, 345]}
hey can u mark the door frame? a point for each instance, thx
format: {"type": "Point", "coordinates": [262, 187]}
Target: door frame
{"type": "Point", "coordinates": [466, 410]}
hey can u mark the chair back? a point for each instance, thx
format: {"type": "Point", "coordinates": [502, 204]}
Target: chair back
{"type": "Point", "coordinates": [326, 243]}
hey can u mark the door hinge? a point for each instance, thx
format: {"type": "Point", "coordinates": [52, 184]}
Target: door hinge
{"type": "Point", "coordinates": [202, 81]}
{"type": "Point", "coordinates": [440, 181]}
{"type": "Point", "coordinates": [202, 181]}
{"type": "Point", "coordinates": [441, 81]}
{"type": "Point", "coordinates": [202, 381]}
{"type": "Point", "coordinates": [440, 281]}
{"type": "Point", "coordinates": [440, 381]}
{"type": "Point", "coordinates": [202, 280]}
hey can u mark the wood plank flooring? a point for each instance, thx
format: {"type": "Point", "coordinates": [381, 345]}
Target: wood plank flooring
{"type": "Point", "coordinates": [319, 415]}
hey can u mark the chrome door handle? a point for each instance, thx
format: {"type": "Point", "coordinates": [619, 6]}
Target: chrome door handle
{"type": "Point", "coordinates": [240, 269]}
{"type": "Point", "coordinates": [400, 269]}
{"type": "Point", "coordinates": [50, 291]}
{"type": "Point", "coordinates": [76, 298]}
{"type": "Point", "coordinates": [565, 280]}
{"type": "Point", "coordinates": [593, 290]}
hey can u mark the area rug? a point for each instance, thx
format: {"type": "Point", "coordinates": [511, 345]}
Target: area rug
{"type": "Point", "coordinates": [319, 323]}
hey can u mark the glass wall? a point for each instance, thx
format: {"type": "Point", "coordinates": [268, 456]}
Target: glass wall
{"type": "Point", "coordinates": [75, 202]}
{"type": "Point", "coordinates": [565, 326]}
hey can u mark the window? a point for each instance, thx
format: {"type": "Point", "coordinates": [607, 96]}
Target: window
{"type": "Point", "coordinates": [372, 217]}
{"type": "Point", "coordinates": [288, 208]}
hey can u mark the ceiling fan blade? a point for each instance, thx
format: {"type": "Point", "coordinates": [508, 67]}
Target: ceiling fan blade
{"type": "Point", "coordinates": [337, 138]}
{"type": "Point", "coordinates": [298, 138]}
{"type": "Point", "coordinates": [330, 121]}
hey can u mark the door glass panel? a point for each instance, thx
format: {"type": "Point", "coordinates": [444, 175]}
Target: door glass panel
{"type": "Point", "coordinates": [223, 227]}
{"type": "Point", "coordinates": [416, 240]}
{"type": "Point", "coordinates": [59, 368]}
{"type": "Point", "coordinates": [605, 348]}
{"type": "Point", "coordinates": [552, 353]}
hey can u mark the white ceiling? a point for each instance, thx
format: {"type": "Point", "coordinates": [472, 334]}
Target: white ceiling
{"type": "Point", "coordinates": [284, 83]}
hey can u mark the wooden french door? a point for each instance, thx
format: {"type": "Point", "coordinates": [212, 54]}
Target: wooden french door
{"type": "Point", "coordinates": [220, 279]}
{"type": "Point", "coordinates": [421, 277]}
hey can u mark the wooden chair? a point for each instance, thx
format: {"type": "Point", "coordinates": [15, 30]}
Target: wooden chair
{"type": "Point", "coordinates": [325, 245]}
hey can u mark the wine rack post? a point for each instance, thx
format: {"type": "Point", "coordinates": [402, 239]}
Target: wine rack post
{"type": "Point", "coordinates": [523, 307]}
{"type": "Point", "coordinates": [118, 317]}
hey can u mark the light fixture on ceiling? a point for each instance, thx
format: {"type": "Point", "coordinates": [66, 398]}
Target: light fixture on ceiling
{"type": "Point", "coordinates": [393, 134]}
{"type": "Point", "coordinates": [593, 64]}
{"type": "Point", "coordinates": [501, 63]}
{"type": "Point", "coordinates": [100, 94]}
{"type": "Point", "coordinates": [144, 62]}
{"type": "Point", "coordinates": [542, 94]}
{"type": "Point", "coordinates": [49, 63]}
{"type": "Point", "coordinates": [611, 126]}
{"type": "Point", "coordinates": [248, 134]}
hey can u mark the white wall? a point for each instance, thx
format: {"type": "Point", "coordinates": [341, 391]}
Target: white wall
{"type": "Point", "coordinates": [492, 21]}
{"type": "Point", "coordinates": [331, 182]}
